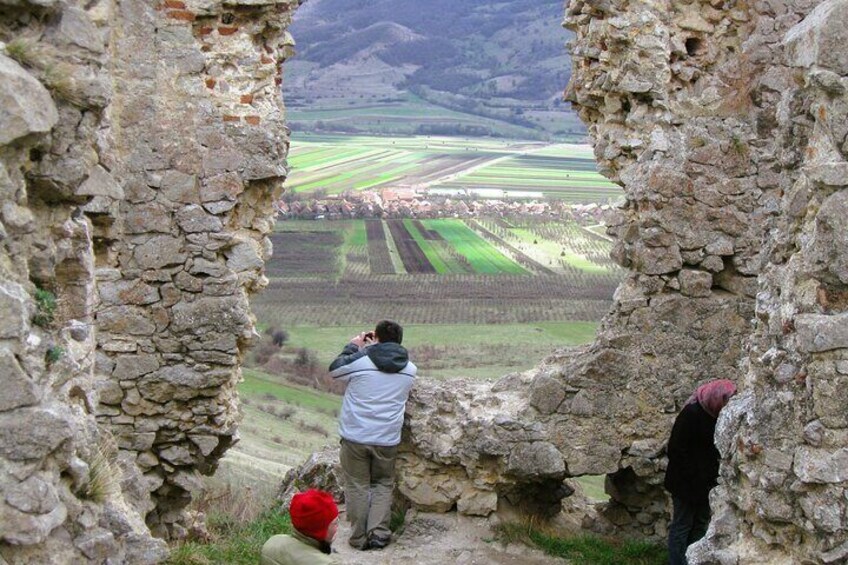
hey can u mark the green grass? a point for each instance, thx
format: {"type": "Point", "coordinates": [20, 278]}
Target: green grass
{"type": "Point", "coordinates": [233, 544]}
{"type": "Point", "coordinates": [271, 444]}
{"type": "Point", "coordinates": [593, 487]}
{"type": "Point", "coordinates": [482, 256]}
{"type": "Point", "coordinates": [257, 383]}
{"type": "Point", "coordinates": [586, 549]}
{"type": "Point", "coordinates": [522, 343]}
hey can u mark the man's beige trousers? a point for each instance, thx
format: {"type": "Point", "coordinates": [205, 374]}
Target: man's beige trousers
{"type": "Point", "coordinates": [369, 480]}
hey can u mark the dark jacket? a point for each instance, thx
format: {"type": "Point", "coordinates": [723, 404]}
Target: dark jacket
{"type": "Point", "coordinates": [692, 455]}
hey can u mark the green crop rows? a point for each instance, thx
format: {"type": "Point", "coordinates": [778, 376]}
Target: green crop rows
{"type": "Point", "coordinates": [335, 164]}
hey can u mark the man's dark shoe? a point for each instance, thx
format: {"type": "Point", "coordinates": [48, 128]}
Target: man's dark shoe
{"type": "Point", "coordinates": [377, 543]}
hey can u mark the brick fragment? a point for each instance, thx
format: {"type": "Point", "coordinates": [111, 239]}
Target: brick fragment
{"type": "Point", "coordinates": [246, 99]}
{"type": "Point", "coordinates": [228, 118]}
{"type": "Point", "coordinates": [210, 83]}
{"type": "Point", "coordinates": [205, 30]}
{"type": "Point", "coordinates": [175, 4]}
{"type": "Point", "coordinates": [266, 60]}
{"type": "Point", "coordinates": [182, 15]}
{"type": "Point", "coordinates": [252, 120]}
{"type": "Point", "coordinates": [227, 30]}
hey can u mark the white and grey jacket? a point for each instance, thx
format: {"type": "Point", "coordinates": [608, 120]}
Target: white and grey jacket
{"type": "Point", "coordinates": [379, 378]}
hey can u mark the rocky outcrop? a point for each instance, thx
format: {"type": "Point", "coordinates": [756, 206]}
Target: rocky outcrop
{"type": "Point", "coordinates": [725, 125]}
{"type": "Point", "coordinates": [141, 148]}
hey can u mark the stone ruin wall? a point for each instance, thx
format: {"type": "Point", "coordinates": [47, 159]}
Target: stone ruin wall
{"type": "Point", "coordinates": [141, 149]}
{"type": "Point", "coordinates": [725, 122]}
{"type": "Point", "coordinates": [141, 146]}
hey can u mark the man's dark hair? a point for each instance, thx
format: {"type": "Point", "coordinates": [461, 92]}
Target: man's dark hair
{"type": "Point", "coordinates": [388, 331]}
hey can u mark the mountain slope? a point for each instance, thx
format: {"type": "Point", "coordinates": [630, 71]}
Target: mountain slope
{"type": "Point", "coordinates": [499, 60]}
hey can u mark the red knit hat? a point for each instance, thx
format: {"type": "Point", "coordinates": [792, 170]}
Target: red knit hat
{"type": "Point", "coordinates": [312, 512]}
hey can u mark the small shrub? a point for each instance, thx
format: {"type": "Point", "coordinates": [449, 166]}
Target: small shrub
{"type": "Point", "coordinates": [314, 428]}
{"type": "Point", "coordinates": [54, 354]}
{"type": "Point", "coordinates": [45, 307]}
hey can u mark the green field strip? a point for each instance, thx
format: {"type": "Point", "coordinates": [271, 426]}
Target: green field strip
{"type": "Point", "coordinates": [356, 236]}
{"type": "Point", "coordinates": [435, 251]}
{"type": "Point", "coordinates": [343, 157]}
{"type": "Point", "coordinates": [348, 180]}
{"type": "Point", "coordinates": [394, 254]}
{"type": "Point", "coordinates": [555, 249]}
{"type": "Point", "coordinates": [331, 154]}
{"type": "Point", "coordinates": [483, 256]}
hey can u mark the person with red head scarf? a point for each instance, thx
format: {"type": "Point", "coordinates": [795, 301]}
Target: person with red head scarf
{"type": "Point", "coordinates": [693, 462]}
{"type": "Point", "coordinates": [315, 518]}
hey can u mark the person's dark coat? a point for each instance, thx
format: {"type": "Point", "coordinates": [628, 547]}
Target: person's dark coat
{"type": "Point", "coordinates": [693, 459]}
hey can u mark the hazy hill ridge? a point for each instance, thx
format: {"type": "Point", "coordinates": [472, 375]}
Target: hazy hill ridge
{"type": "Point", "coordinates": [498, 60]}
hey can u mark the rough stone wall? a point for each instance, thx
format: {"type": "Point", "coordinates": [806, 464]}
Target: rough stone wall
{"type": "Point", "coordinates": [141, 146]}
{"type": "Point", "coordinates": [725, 125]}
{"type": "Point", "coordinates": [784, 442]}
{"type": "Point", "coordinates": [664, 91]}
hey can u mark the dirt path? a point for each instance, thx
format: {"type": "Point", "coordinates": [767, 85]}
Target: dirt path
{"type": "Point", "coordinates": [440, 539]}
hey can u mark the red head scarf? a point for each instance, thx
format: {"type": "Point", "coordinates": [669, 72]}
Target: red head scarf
{"type": "Point", "coordinates": [713, 396]}
{"type": "Point", "coordinates": [312, 512]}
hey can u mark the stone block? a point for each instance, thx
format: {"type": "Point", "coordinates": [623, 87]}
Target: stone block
{"type": "Point", "coordinates": [18, 389]}
{"type": "Point", "coordinates": [147, 217]}
{"type": "Point", "coordinates": [14, 310]}
{"type": "Point", "coordinates": [475, 502]}
{"type": "Point", "coordinates": [32, 433]}
{"type": "Point", "coordinates": [194, 219]}
{"type": "Point", "coordinates": [101, 183]}
{"type": "Point", "coordinates": [818, 465]}
{"type": "Point", "coordinates": [160, 251]}
{"type": "Point", "coordinates": [33, 496]}
{"type": "Point", "coordinates": [130, 367]}
{"type": "Point", "coordinates": [76, 29]}
{"type": "Point", "coordinates": [245, 256]}
{"type": "Point", "coordinates": [546, 394]}
{"type": "Point", "coordinates": [818, 332]}
{"type": "Point", "coordinates": [132, 320]}
{"type": "Point", "coordinates": [178, 382]}
{"type": "Point", "coordinates": [180, 187]}
{"type": "Point", "coordinates": [176, 454]}
{"type": "Point", "coordinates": [98, 544]}
{"type": "Point", "coordinates": [216, 313]}
{"type": "Point", "coordinates": [820, 38]}
{"type": "Point", "coordinates": [25, 105]}
{"type": "Point", "coordinates": [127, 292]}
{"type": "Point", "coordinates": [535, 460]}
{"type": "Point", "coordinates": [225, 187]}
{"type": "Point", "coordinates": [21, 528]}
{"type": "Point", "coordinates": [695, 283]}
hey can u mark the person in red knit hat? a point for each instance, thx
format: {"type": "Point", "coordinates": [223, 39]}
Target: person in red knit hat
{"type": "Point", "coordinates": [315, 518]}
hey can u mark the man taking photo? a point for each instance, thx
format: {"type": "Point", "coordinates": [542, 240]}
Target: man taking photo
{"type": "Point", "coordinates": [379, 377]}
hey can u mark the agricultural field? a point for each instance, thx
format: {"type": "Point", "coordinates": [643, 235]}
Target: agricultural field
{"type": "Point", "coordinates": [489, 168]}
{"type": "Point", "coordinates": [465, 288]}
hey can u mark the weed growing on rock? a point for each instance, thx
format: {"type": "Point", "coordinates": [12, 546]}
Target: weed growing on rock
{"type": "Point", "coordinates": [27, 51]}
{"type": "Point", "coordinates": [102, 478]}
{"type": "Point", "coordinates": [54, 354]}
{"type": "Point", "coordinates": [45, 307]}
